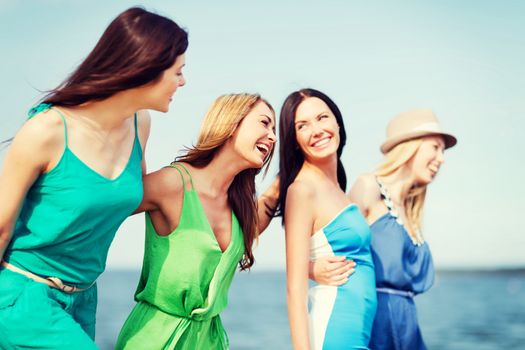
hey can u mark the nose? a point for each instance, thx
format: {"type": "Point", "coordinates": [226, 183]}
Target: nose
{"type": "Point", "coordinates": [182, 81]}
{"type": "Point", "coordinates": [316, 129]}
{"type": "Point", "coordinates": [440, 156]}
{"type": "Point", "coordinates": [271, 136]}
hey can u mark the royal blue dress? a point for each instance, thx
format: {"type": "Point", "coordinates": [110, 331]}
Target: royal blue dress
{"type": "Point", "coordinates": [342, 317]}
{"type": "Point", "coordinates": [403, 269]}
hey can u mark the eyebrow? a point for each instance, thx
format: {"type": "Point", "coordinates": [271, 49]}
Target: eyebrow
{"type": "Point", "coordinates": [304, 121]}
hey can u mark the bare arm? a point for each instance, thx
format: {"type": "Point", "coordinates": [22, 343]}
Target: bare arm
{"type": "Point", "coordinates": [299, 221]}
{"type": "Point", "coordinates": [266, 205]}
{"type": "Point", "coordinates": [159, 187]}
{"type": "Point", "coordinates": [35, 149]}
{"type": "Point", "coordinates": [363, 193]}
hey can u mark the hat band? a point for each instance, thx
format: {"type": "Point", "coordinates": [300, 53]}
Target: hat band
{"type": "Point", "coordinates": [433, 127]}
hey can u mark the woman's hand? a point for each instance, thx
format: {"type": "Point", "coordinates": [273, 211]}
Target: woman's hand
{"type": "Point", "coordinates": [331, 270]}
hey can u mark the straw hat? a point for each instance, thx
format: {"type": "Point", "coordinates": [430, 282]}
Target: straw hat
{"type": "Point", "coordinates": [412, 125]}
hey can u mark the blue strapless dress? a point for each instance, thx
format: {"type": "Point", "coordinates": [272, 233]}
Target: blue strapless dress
{"type": "Point", "coordinates": [342, 317]}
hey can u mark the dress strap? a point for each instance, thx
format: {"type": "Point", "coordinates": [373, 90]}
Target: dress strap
{"type": "Point", "coordinates": [45, 107]}
{"type": "Point", "coordinates": [176, 167]}
{"type": "Point", "coordinates": [187, 172]}
{"type": "Point", "coordinates": [65, 125]}
{"type": "Point", "coordinates": [136, 126]}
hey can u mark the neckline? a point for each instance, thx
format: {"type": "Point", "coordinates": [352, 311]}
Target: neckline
{"type": "Point", "coordinates": [345, 208]}
{"type": "Point", "coordinates": [67, 149]}
{"type": "Point", "coordinates": [418, 240]}
{"type": "Point", "coordinates": [88, 167]}
{"type": "Point", "coordinates": [206, 220]}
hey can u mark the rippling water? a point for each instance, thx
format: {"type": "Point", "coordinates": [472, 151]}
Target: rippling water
{"type": "Point", "coordinates": [464, 310]}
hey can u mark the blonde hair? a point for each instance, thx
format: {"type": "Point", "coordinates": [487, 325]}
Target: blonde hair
{"type": "Point", "coordinates": [220, 123]}
{"type": "Point", "coordinates": [415, 199]}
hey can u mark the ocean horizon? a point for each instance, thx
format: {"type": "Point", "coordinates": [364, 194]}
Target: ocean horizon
{"type": "Point", "coordinates": [465, 309]}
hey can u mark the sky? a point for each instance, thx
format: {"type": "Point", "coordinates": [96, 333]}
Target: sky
{"type": "Point", "coordinates": [463, 59]}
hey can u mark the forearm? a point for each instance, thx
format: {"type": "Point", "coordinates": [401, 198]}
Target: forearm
{"type": "Point", "coordinates": [298, 318]}
{"type": "Point", "coordinates": [265, 209]}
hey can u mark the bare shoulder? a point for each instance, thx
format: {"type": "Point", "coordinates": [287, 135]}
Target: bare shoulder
{"type": "Point", "coordinates": [366, 183]}
{"type": "Point", "coordinates": [41, 138]}
{"type": "Point", "coordinates": [167, 180]}
{"type": "Point", "coordinates": [364, 192]}
{"type": "Point", "coordinates": [45, 129]}
{"type": "Point", "coordinates": [300, 197]}
{"type": "Point", "coordinates": [300, 190]}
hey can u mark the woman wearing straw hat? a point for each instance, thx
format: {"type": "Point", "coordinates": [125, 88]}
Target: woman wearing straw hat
{"type": "Point", "coordinates": [392, 201]}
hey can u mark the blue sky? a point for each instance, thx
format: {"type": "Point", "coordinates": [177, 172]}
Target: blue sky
{"type": "Point", "coordinates": [463, 59]}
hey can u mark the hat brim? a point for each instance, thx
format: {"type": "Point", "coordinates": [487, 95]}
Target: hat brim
{"type": "Point", "coordinates": [450, 140]}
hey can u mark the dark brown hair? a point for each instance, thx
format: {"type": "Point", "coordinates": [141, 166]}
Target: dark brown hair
{"type": "Point", "coordinates": [291, 157]}
{"type": "Point", "coordinates": [133, 51]}
{"type": "Point", "coordinates": [220, 123]}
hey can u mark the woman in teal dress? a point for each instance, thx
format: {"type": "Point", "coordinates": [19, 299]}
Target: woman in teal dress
{"type": "Point", "coordinates": [73, 173]}
{"type": "Point", "coordinates": [201, 222]}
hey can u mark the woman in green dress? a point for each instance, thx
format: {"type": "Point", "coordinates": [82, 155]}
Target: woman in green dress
{"type": "Point", "coordinates": [201, 221]}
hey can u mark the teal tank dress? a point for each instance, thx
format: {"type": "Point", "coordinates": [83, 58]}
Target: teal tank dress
{"type": "Point", "coordinates": [66, 224]}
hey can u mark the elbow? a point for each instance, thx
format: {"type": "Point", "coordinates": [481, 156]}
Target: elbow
{"type": "Point", "coordinates": [5, 237]}
{"type": "Point", "coordinates": [296, 294]}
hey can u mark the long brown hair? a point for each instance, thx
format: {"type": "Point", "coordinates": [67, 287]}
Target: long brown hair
{"type": "Point", "coordinates": [133, 51]}
{"type": "Point", "coordinates": [291, 157]}
{"type": "Point", "coordinates": [220, 123]}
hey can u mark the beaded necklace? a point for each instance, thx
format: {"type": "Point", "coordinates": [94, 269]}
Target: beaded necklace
{"type": "Point", "coordinates": [416, 238]}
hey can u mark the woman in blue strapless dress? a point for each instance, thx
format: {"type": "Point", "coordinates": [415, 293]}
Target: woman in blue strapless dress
{"type": "Point", "coordinates": [392, 199]}
{"type": "Point", "coordinates": [320, 221]}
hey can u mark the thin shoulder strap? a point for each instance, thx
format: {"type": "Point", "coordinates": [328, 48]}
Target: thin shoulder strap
{"type": "Point", "coordinates": [187, 172]}
{"type": "Point", "coordinates": [45, 107]}
{"type": "Point", "coordinates": [176, 166]}
{"type": "Point", "coordinates": [65, 125]}
{"type": "Point", "coordinates": [136, 126]}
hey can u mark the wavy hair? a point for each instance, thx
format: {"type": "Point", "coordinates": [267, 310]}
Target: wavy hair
{"type": "Point", "coordinates": [134, 50]}
{"type": "Point", "coordinates": [394, 159]}
{"type": "Point", "coordinates": [220, 123]}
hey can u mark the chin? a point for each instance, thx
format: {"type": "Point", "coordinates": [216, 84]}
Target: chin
{"type": "Point", "coordinates": [423, 181]}
{"type": "Point", "coordinates": [321, 156]}
{"type": "Point", "coordinates": [256, 164]}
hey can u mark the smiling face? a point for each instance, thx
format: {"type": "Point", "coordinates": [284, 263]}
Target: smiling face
{"type": "Point", "coordinates": [255, 137]}
{"type": "Point", "coordinates": [316, 129]}
{"type": "Point", "coordinates": [425, 164]}
{"type": "Point", "coordinates": [159, 94]}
